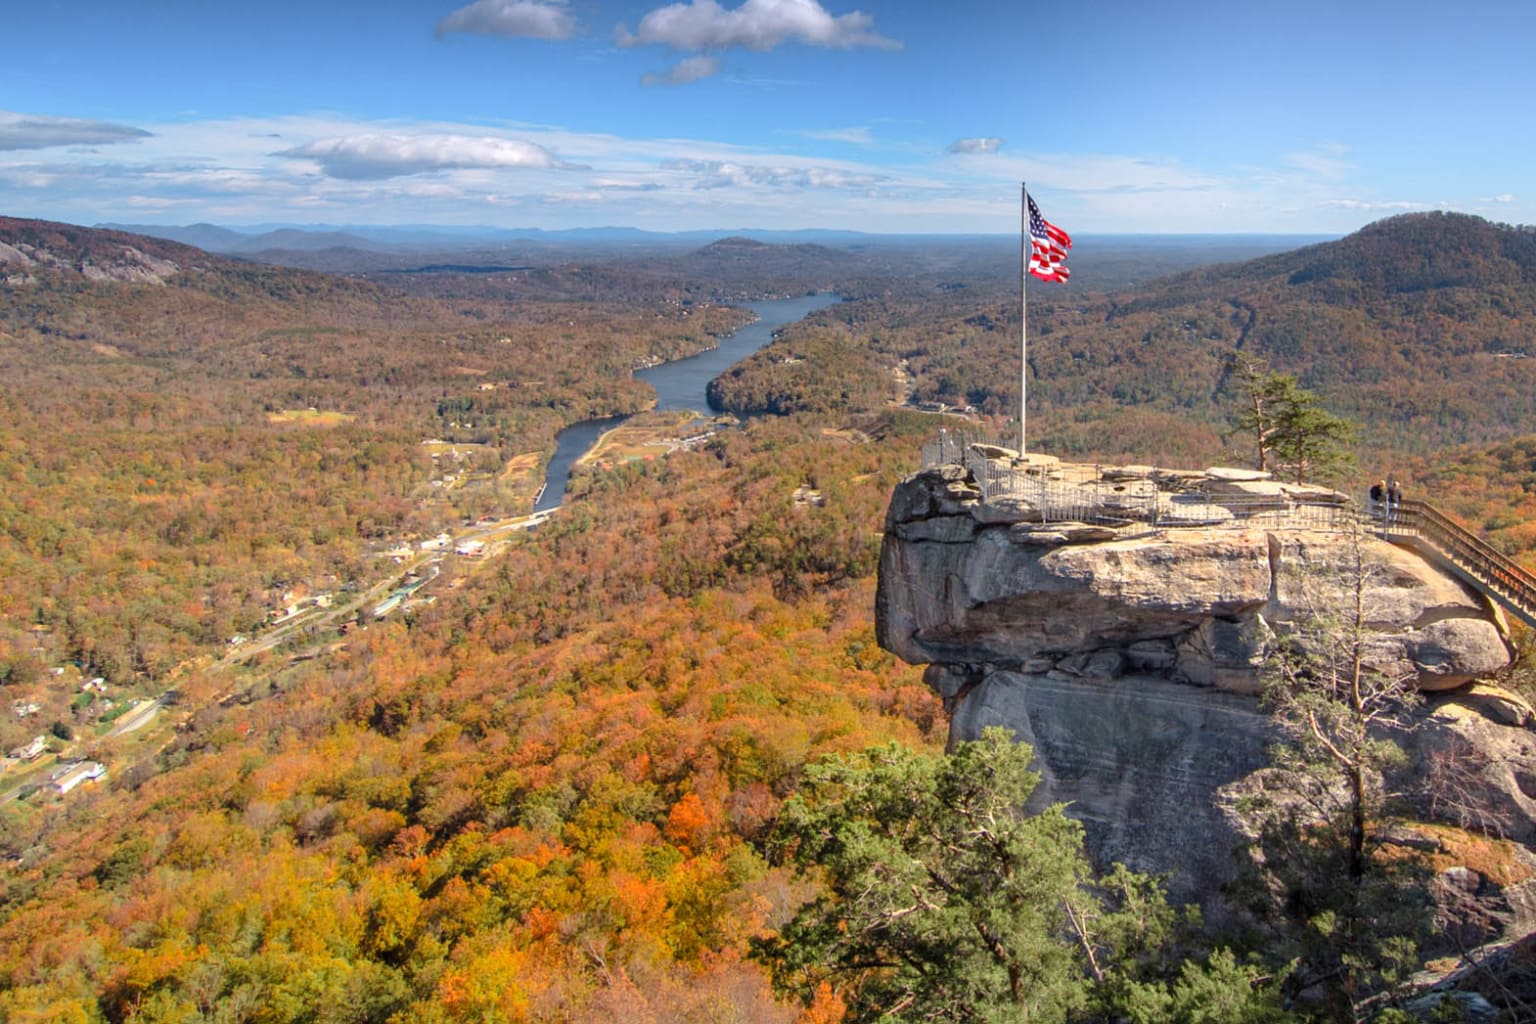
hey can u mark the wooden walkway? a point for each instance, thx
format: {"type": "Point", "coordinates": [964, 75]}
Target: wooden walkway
{"type": "Point", "coordinates": [1435, 535]}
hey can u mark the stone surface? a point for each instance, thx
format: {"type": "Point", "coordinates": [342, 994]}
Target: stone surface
{"type": "Point", "coordinates": [1137, 758]}
{"type": "Point", "coordinates": [1471, 1007]}
{"type": "Point", "coordinates": [1474, 763]}
{"type": "Point", "coordinates": [1237, 474]}
{"type": "Point", "coordinates": [1005, 510]}
{"type": "Point", "coordinates": [956, 587]}
{"type": "Point", "coordinates": [1129, 659]}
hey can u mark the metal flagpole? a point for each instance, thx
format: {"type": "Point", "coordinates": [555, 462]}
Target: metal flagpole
{"type": "Point", "coordinates": [1023, 311]}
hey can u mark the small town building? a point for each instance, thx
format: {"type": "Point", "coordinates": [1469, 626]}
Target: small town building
{"type": "Point", "coordinates": [32, 751]}
{"type": "Point", "coordinates": [70, 776]}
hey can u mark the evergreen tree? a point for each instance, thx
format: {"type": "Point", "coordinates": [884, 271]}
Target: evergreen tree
{"type": "Point", "coordinates": [1262, 392]}
{"type": "Point", "coordinates": [1348, 913]}
{"type": "Point", "coordinates": [1289, 425]}
{"type": "Point", "coordinates": [1308, 439]}
{"type": "Point", "coordinates": [943, 901]}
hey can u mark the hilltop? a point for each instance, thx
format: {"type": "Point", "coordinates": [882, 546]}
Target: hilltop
{"type": "Point", "coordinates": [32, 247]}
{"type": "Point", "coordinates": [1417, 327]}
{"type": "Point", "coordinates": [1412, 252]}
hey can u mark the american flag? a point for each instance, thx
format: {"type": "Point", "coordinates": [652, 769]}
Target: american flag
{"type": "Point", "coordinates": [1048, 246]}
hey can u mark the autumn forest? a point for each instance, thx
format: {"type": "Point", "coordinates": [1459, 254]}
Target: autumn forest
{"type": "Point", "coordinates": [551, 785]}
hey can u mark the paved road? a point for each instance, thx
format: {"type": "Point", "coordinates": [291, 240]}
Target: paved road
{"type": "Point", "coordinates": [137, 718]}
{"type": "Point", "coordinates": [319, 618]}
{"type": "Point", "coordinates": [324, 618]}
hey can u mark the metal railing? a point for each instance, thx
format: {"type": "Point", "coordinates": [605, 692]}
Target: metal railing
{"type": "Point", "coordinates": [1434, 533]}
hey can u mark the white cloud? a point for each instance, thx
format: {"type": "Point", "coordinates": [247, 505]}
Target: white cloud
{"type": "Point", "coordinates": [519, 174]}
{"type": "Point", "coordinates": [24, 131]}
{"type": "Point", "coordinates": [1327, 160]}
{"type": "Point", "coordinates": [1085, 173]}
{"type": "Point", "coordinates": [369, 156]}
{"type": "Point", "coordinates": [154, 202]}
{"type": "Point", "coordinates": [982, 145]}
{"type": "Point", "coordinates": [708, 174]}
{"type": "Point", "coordinates": [853, 136]}
{"type": "Point", "coordinates": [1502, 197]}
{"type": "Point", "coordinates": [689, 69]}
{"type": "Point", "coordinates": [214, 181]}
{"type": "Point", "coordinates": [1361, 204]}
{"type": "Point", "coordinates": [755, 25]}
{"type": "Point", "coordinates": [536, 19]}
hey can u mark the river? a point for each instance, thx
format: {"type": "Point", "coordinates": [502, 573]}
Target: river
{"type": "Point", "coordinates": [679, 384]}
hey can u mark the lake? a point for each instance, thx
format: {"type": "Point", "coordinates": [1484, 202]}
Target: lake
{"type": "Point", "coordinates": [679, 384]}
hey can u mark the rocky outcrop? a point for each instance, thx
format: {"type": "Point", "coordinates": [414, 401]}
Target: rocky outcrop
{"type": "Point", "coordinates": [964, 583]}
{"type": "Point", "coordinates": [126, 263]}
{"type": "Point", "coordinates": [1126, 646]}
{"type": "Point", "coordinates": [33, 248]}
{"type": "Point", "coordinates": [1138, 759]}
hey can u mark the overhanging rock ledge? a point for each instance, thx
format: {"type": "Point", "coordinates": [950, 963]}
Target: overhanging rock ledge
{"type": "Point", "coordinates": [1128, 654]}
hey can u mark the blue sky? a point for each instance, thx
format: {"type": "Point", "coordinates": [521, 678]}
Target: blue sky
{"type": "Point", "coordinates": [870, 115]}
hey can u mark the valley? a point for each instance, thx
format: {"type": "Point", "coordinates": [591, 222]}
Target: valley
{"type": "Point", "coordinates": [550, 793]}
{"type": "Point", "coordinates": [304, 627]}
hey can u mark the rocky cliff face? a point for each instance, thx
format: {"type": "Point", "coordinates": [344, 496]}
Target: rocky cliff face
{"type": "Point", "coordinates": [1128, 655]}
{"type": "Point", "coordinates": [966, 583]}
{"type": "Point", "coordinates": [29, 248]}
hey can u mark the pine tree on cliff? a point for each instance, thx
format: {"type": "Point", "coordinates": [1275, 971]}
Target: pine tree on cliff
{"type": "Point", "coordinates": [1289, 426]}
{"type": "Point", "coordinates": [1348, 912]}
{"type": "Point", "coordinates": [1261, 390]}
{"type": "Point", "coordinates": [944, 902]}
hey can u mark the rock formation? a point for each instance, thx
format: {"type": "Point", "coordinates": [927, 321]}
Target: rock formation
{"type": "Point", "coordinates": [36, 247]}
{"type": "Point", "coordinates": [1125, 644]}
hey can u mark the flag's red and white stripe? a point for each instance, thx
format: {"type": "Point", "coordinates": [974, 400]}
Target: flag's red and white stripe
{"type": "Point", "coordinates": [1048, 246]}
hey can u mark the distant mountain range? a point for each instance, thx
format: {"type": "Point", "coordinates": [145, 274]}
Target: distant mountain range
{"type": "Point", "coordinates": [316, 237]}
{"type": "Point", "coordinates": [1418, 327]}
{"type": "Point", "coordinates": [312, 238]}
{"type": "Point", "coordinates": [1101, 262]}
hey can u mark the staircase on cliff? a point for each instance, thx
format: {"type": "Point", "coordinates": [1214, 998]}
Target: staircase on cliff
{"type": "Point", "coordinates": [1435, 535]}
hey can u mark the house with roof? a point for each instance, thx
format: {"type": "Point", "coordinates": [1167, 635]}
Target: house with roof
{"type": "Point", "coordinates": [70, 776]}
{"type": "Point", "coordinates": [32, 751]}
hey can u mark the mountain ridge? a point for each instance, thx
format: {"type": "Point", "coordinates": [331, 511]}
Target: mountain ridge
{"type": "Point", "coordinates": [1411, 252]}
{"type": "Point", "coordinates": [28, 246]}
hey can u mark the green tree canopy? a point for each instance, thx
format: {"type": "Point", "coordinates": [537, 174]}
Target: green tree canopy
{"type": "Point", "coordinates": [1289, 426]}
{"type": "Point", "coordinates": [1347, 908]}
{"type": "Point", "coordinates": [943, 901]}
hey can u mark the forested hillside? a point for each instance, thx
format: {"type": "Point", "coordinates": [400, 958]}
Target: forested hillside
{"type": "Point", "coordinates": [1418, 327]}
{"type": "Point", "coordinates": [185, 438]}
{"type": "Point", "coordinates": [595, 726]}
{"type": "Point", "coordinates": [538, 799]}
{"type": "Point", "coordinates": [545, 792]}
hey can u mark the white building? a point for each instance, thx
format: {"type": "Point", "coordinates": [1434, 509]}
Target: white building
{"type": "Point", "coordinates": [32, 751]}
{"type": "Point", "coordinates": [67, 778]}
